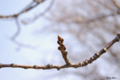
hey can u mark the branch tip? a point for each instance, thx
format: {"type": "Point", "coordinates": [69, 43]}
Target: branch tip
{"type": "Point", "coordinates": [0, 65]}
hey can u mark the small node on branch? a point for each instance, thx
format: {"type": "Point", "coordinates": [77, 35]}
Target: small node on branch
{"type": "Point", "coordinates": [86, 61]}
{"type": "Point", "coordinates": [59, 48]}
{"type": "Point", "coordinates": [58, 42]}
{"type": "Point", "coordinates": [81, 64]}
{"type": "Point", "coordinates": [64, 48]}
{"type": "Point", "coordinates": [91, 59]}
{"type": "Point", "coordinates": [105, 49]}
{"type": "Point", "coordinates": [94, 57]}
{"type": "Point", "coordinates": [25, 68]}
{"type": "Point", "coordinates": [35, 66]}
{"type": "Point", "coordinates": [118, 37]}
{"type": "Point", "coordinates": [49, 66]}
{"type": "Point", "coordinates": [65, 53]}
{"type": "Point", "coordinates": [97, 54]}
{"type": "Point", "coordinates": [0, 65]}
{"type": "Point", "coordinates": [12, 65]}
{"type": "Point", "coordinates": [102, 51]}
{"type": "Point", "coordinates": [15, 15]}
{"type": "Point", "coordinates": [58, 68]}
{"type": "Point", "coordinates": [1, 16]}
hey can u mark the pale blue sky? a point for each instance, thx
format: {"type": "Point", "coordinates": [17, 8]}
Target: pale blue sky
{"type": "Point", "coordinates": [45, 43]}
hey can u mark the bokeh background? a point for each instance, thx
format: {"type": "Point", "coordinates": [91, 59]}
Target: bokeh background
{"type": "Point", "coordinates": [86, 26]}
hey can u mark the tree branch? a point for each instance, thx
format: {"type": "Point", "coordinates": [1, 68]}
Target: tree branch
{"type": "Point", "coordinates": [116, 4]}
{"type": "Point", "coordinates": [18, 29]}
{"type": "Point", "coordinates": [30, 6]}
{"type": "Point", "coordinates": [27, 8]}
{"type": "Point", "coordinates": [27, 21]}
{"type": "Point", "coordinates": [64, 54]}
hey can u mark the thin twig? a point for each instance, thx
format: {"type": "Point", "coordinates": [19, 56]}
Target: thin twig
{"type": "Point", "coordinates": [20, 44]}
{"type": "Point", "coordinates": [116, 4]}
{"type": "Point", "coordinates": [62, 49]}
{"type": "Point", "coordinates": [39, 15]}
{"type": "Point", "coordinates": [18, 29]}
{"type": "Point", "coordinates": [27, 8]}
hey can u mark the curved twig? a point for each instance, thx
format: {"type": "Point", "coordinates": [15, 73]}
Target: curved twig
{"type": "Point", "coordinates": [18, 29]}
{"type": "Point", "coordinates": [27, 8]}
{"type": "Point", "coordinates": [39, 15]}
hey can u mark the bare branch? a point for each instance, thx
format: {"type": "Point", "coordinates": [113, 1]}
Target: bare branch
{"type": "Point", "coordinates": [68, 64]}
{"type": "Point", "coordinates": [39, 15]}
{"type": "Point", "coordinates": [20, 44]}
{"type": "Point", "coordinates": [28, 8]}
{"type": "Point", "coordinates": [18, 29]}
{"type": "Point", "coordinates": [116, 4]}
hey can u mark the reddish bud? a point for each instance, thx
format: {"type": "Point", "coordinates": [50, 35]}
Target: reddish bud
{"type": "Point", "coordinates": [58, 42]}
{"type": "Point", "coordinates": [59, 38]}
{"type": "Point", "coordinates": [59, 47]}
{"type": "Point", "coordinates": [65, 53]}
{"type": "Point", "coordinates": [64, 48]}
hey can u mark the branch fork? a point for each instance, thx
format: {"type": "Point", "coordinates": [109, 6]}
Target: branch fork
{"type": "Point", "coordinates": [62, 48]}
